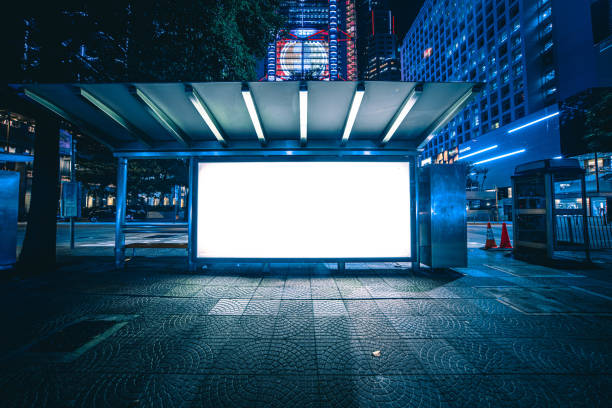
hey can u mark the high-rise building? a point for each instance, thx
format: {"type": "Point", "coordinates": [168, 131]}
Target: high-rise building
{"type": "Point", "coordinates": [531, 55]}
{"type": "Point", "coordinates": [378, 58]}
{"type": "Point", "coordinates": [318, 42]}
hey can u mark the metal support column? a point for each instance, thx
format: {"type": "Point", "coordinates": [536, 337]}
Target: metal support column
{"type": "Point", "coordinates": [550, 217]}
{"type": "Point", "coordinates": [585, 221]}
{"type": "Point", "coordinates": [341, 266]}
{"type": "Point", "coordinates": [73, 180]}
{"type": "Point", "coordinates": [190, 219]}
{"type": "Point", "coordinates": [120, 205]}
{"type": "Point", "coordinates": [414, 198]}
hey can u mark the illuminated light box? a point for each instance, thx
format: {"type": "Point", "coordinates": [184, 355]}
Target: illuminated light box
{"type": "Point", "coordinates": [303, 210]}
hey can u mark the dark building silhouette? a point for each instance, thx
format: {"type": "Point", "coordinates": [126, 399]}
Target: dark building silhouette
{"type": "Point", "coordinates": [378, 58]}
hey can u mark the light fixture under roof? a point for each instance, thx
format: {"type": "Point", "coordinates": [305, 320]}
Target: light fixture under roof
{"type": "Point", "coordinates": [198, 103]}
{"type": "Point", "coordinates": [250, 104]}
{"type": "Point", "coordinates": [303, 113]}
{"type": "Point", "coordinates": [355, 104]}
{"type": "Point", "coordinates": [408, 104]}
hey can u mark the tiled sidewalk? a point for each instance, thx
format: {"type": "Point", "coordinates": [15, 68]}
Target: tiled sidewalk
{"type": "Point", "coordinates": [303, 335]}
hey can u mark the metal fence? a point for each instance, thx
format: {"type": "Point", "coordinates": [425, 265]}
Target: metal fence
{"type": "Point", "coordinates": [569, 231]}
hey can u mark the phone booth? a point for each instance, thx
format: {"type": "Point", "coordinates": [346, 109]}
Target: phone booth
{"type": "Point", "coordinates": [550, 208]}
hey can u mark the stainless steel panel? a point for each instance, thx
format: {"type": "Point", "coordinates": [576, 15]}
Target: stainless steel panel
{"type": "Point", "coordinates": [442, 214]}
{"type": "Point", "coordinates": [9, 207]}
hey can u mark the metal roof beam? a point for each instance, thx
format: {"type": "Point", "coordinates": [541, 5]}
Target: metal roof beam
{"type": "Point", "coordinates": [85, 129]}
{"type": "Point", "coordinates": [161, 117]}
{"type": "Point", "coordinates": [402, 112]}
{"type": "Point", "coordinates": [449, 114]}
{"type": "Point", "coordinates": [200, 106]}
{"type": "Point", "coordinates": [134, 131]}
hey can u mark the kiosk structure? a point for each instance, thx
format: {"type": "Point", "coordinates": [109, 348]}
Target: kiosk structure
{"type": "Point", "coordinates": [542, 225]}
{"type": "Point", "coordinates": [279, 171]}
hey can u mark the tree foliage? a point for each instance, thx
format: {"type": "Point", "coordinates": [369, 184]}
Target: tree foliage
{"type": "Point", "coordinates": [586, 122]}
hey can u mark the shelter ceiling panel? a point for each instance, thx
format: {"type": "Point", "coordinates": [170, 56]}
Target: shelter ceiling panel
{"type": "Point", "coordinates": [435, 100]}
{"type": "Point", "coordinates": [328, 108]}
{"type": "Point", "coordinates": [119, 98]}
{"type": "Point", "coordinates": [225, 102]}
{"type": "Point", "coordinates": [67, 98]}
{"type": "Point", "coordinates": [380, 103]}
{"type": "Point", "coordinates": [279, 109]}
{"type": "Point", "coordinates": [172, 99]}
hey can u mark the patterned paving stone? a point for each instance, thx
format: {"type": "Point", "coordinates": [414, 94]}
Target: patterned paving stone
{"type": "Point", "coordinates": [352, 292]}
{"type": "Point", "coordinates": [438, 356]}
{"type": "Point", "coordinates": [262, 307]}
{"type": "Point", "coordinates": [258, 391]}
{"type": "Point", "coordinates": [378, 391]}
{"type": "Point", "coordinates": [490, 355]}
{"type": "Point", "coordinates": [296, 292]}
{"type": "Point", "coordinates": [173, 391]}
{"type": "Point", "coordinates": [268, 292]}
{"type": "Point", "coordinates": [259, 327]}
{"type": "Point", "coordinates": [343, 356]}
{"type": "Point", "coordinates": [198, 326]}
{"type": "Point", "coordinates": [243, 356]}
{"type": "Point", "coordinates": [168, 306]}
{"type": "Point", "coordinates": [332, 327]}
{"type": "Point", "coordinates": [362, 307]}
{"type": "Point", "coordinates": [293, 307]}
{"type": "Point", "coordinates": [329, 308]}
{"type": "Point", "coordinates": [234, 307]}
{"type": "Point", "coordinates": [372, 328]}
{"type": "Point", "coordinates": [288, 327]}
{"type": "Point", "coordinates": [293, 335]}
{"type": "Point", "coordinates": [564, 356]}
{"type": "Point", "coordinates": [433, 327]}
{"type": "Point", "coordinates": [494, 391]}
{"type": "Point", "coordinates": [579, 391]}
{"type": "Point", "coordinates": [169, 355]}
{"type": "Point", "coordinates": [395, 307]}
{"type": "Point", "coordinates": [325, 292]}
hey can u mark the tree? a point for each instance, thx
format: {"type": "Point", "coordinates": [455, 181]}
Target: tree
{"type": "Point", "coordinates": [598, 136]}
{"type": "Point", "coordinates": [586, 122]}
{"type": "Point", "coordinates": [124, 40]}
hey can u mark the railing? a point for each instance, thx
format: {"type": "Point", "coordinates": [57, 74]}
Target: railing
{"type": "Point", "coordinates": [569, 230]}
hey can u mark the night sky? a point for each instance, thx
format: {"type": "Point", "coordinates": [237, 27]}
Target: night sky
{"type": "Point", "coordinates": [405, 12]}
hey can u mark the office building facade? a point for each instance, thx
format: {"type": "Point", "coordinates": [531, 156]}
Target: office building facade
{"type": "Point", "coordinates": [530, 54]}
{"type": "Point", "coordinates": [317, 43]}
{"type": "Point", "coordinates": [378, 58]}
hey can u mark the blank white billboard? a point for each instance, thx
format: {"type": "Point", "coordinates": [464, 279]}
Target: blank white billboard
{"type": "Point", "coordinates": [303, 210]}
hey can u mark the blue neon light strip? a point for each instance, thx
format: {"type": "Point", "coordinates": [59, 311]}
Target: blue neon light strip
{"type": "Point", "coordinates": [500, 157]}
{"type": "Point", "coordinates": [477, 152]}
{"type": "Point", "coordinates": [534, 122]}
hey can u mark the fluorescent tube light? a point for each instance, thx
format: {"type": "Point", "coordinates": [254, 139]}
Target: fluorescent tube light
{"type": "Point", "coordinates": [410, 101]}
{"type": "Point", "coordinates": [200, 106]}
{"type": "Point", "coordinates": [350, 120]}
{"type": "Point", "coordinates": [303, 114]}
{"type": "Point", "coordinates": [250, 104]}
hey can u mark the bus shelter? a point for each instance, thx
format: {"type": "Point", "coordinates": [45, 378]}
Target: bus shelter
{"type": "Point", "coordinates": [279, 171]}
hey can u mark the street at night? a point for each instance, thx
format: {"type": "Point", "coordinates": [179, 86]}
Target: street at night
{"type": "Point", "coordinates": [306, 203]}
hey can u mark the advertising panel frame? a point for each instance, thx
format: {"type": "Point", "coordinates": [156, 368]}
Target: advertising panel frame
{"type": "Point", "coordinates": [194, 172]}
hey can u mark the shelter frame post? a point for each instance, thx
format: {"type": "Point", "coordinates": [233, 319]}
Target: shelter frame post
{"type": "Point", "coordinates": [122, 167]}
{"type": "Point", "coordinates": [191, 254]}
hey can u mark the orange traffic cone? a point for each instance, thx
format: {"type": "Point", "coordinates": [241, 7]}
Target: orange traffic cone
{"type": "Point", "coordinates": [490, 239]}
{"type": "Point", "coordinates": [505, 239]}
